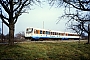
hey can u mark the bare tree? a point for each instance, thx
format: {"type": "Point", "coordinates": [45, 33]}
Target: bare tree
{"type": "Point", "coordinates": [80, 5]}
{"type": "Point", "coordinates": [11, 10]}
{"type": "Point", "coordinates": [81, 24]}
{"type": "Point", "coordinates": [83, 5]}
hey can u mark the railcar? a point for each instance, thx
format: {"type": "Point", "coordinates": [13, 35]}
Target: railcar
{"type": "Point", "coordinates": [37, 33]}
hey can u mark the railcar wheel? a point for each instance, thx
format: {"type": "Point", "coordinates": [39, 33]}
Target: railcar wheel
{"type": "Point", "coordinates": [32, 39]}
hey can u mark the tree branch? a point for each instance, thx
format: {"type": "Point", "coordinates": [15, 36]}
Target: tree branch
{"type": "Point", "coordinates": [19, 4]}
{"type": "Point", "coordinates": [4, 6]}
{"type": "Point", "coordinates": [72, 4]}
{"type": "Point", "coordinates": [4, 17]}
{"type": "Point", "coordinates": [4, 21]}
{"type": "Point", "coordinates": [18, 13]}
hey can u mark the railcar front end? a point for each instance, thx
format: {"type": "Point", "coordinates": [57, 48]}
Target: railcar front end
{"type": "Point", "coordinates": [28, 33]}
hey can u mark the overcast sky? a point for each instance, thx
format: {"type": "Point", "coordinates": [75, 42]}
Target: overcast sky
{"type": "Point", "coordinates": [35, 18]}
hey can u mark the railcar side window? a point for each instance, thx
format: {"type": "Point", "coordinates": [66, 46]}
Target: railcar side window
{"type": "Point", "coordinates": [56, 33]}
{"type": "Point", "coordinates": [47, 32]}
{"type": "Point", "coordinates": [40, 31]}
{"type": "Point", "coordinates": [66, 34]}
{"type": "Point", "coordinates": [70, 34]}
{"type": "Point", "coordinates": [37, 31]}
{"type": "Point", "coordinates": [62, 34]}
{"type": "Point", "coordinates": [51, 33]}
{"type": "Point", "coordinates": [59, 33]}
{"type": "Point", "coordinates": [73, 35]}
{"type": "Point", "coordinates": [76, 35]}
{"type": "Point", "coordinates": [43, 32]}
{"type": "Point", "coordinates": [34, 31]}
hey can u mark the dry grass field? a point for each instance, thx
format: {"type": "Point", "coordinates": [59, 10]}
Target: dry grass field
{"type": "Point", "coordinates": [46, 50]}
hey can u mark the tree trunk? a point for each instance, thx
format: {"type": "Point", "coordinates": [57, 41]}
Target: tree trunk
{"type": "Point", "coordinates": [89, 38]}
{"type": "Point", "coordinates": [11, 34]}
{"type": "Point", "coordinates": [11, 24]}
{"type": "Point", "coordinates": [88, 33]}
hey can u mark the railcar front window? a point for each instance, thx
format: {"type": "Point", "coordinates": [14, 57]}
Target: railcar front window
{"type": "Point", "coordinates": [29, 30]}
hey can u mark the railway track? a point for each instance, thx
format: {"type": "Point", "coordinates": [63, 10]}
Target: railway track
{"type": "Point", "coordinates": [51, 41]}
{"type": "Point", "coordinates": [56, 41]}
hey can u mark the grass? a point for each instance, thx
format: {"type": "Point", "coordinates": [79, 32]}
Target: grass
{"type": "Point", "coordinates": [46, 51]}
